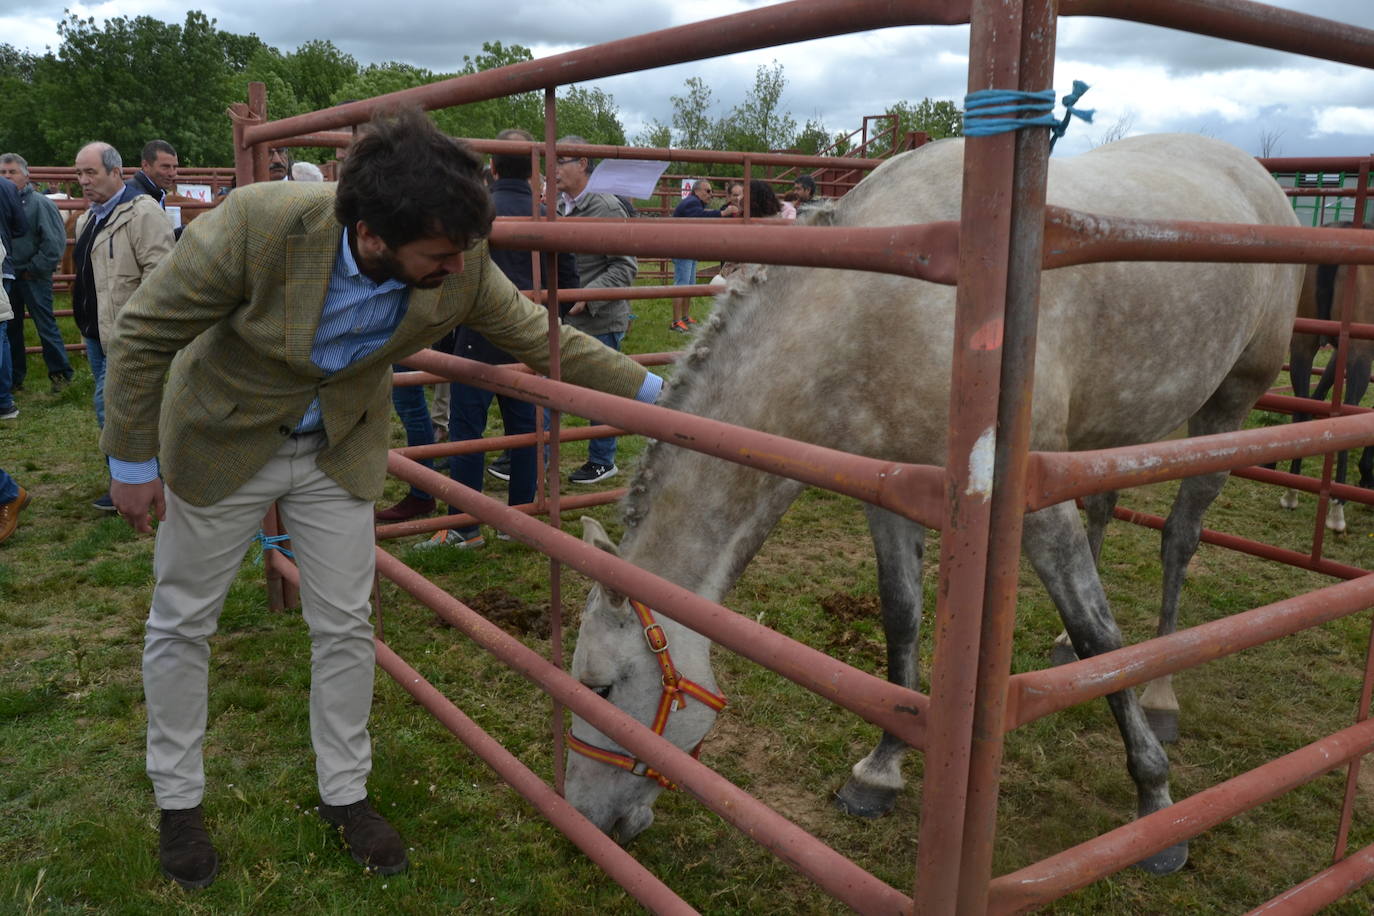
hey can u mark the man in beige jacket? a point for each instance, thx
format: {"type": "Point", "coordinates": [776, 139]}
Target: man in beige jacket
{"type": "Point", "coordinates": [254, 367]}
{"type": "Point", "coordinates": [120, 238]}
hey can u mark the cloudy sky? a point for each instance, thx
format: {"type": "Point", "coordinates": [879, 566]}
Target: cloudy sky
{"type": "Point", "coordinates": [1143, 79]}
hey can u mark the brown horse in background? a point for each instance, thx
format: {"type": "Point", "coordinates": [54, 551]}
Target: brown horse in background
{"type": "Point", "coordinates": [1321, 286]}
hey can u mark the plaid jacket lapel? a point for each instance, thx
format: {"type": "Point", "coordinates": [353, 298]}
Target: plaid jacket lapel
{"type": "Point", "coordinates": [310, 260]}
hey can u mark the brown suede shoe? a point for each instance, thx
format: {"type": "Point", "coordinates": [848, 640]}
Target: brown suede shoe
{"type": "Point", "coordinates": [405, 510]}
{"type": "Point", "coordinates": [184, 848]}
{"type": "Point", "coordinates": [9, 513]}
{"type": "Point", "coordinates": [373, 843]}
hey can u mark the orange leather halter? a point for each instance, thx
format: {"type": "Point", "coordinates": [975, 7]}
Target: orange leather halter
{"type": "Point", "coordinates": [676, 690]}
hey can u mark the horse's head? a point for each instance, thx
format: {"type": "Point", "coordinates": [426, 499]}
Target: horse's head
{"type": "Point", "coordinates": [614, 658]}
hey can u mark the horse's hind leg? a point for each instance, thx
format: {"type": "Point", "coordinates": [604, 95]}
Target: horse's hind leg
{"type": "Point", "coordinates": [876, 781]}
{"type": "Point", "coordinates": [1356, 383]}
{"type": "Point", "coordinates": [1098, 507]}
{"type": "Point", "coordinates": [1057, 546]}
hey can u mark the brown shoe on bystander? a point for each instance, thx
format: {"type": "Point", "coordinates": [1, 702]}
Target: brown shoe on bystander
{"type": "Point", "coordinates": [9, 513]}
{"type": "Point", "coordinates": [408, 508]}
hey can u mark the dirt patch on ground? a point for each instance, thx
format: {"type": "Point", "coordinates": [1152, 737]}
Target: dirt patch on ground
{"type": "Point", "coordinates": [849, 607]}
{"type": "Point", "coordinates": [845, 640]}
{"type": "Point", "coordinates": [771, 782]}
{"type": "Point", "coordinates": [510, 613]}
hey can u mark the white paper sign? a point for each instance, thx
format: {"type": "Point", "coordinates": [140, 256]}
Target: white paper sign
{"type": "Point", "coordinates": [635, 178]}
{"type": "Point", "coordinates": [201, 192]}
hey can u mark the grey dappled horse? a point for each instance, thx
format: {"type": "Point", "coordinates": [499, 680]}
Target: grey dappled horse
{"type": "Point", "coordinates": [1126, 352]}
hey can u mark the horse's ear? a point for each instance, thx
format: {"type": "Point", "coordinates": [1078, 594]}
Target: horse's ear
{"type": "Point", "coordinates": [594, 534]}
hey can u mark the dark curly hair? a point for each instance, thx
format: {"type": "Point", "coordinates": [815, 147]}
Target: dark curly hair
{"type": "Point", "coordinates": [762, 200]}
{"type": "Point", "coordinates": [408, 180]}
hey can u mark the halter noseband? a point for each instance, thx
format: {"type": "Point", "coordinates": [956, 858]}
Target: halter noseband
{"type": "Point", "coordinates": [675, 692]}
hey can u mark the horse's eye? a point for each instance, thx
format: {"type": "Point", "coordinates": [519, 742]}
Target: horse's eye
{"type": "Point", "coordinates": [603, 691]}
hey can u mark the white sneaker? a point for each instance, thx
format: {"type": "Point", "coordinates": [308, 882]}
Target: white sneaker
{"type": "Point", "coordinates": [448, 537]}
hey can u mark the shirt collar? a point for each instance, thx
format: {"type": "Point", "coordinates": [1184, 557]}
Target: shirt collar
{"type": "Point", "coordinates": [100, 211]}
{"type": "Point", "coordinates": [350, 267]}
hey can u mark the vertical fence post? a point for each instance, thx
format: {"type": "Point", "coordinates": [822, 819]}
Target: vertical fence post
{"type": "Point", "coordinates": [553, 479]}
{"type": "Point", "coordinates": [983, 468]}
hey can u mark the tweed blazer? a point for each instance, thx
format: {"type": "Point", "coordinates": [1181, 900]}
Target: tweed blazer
{"type": "Point", "coordinates": [210, 366]}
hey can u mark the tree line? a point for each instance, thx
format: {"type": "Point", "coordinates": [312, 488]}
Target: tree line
{"type": "Point", "coordinates": [129, 80]}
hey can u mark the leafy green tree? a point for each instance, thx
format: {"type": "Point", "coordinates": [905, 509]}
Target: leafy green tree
{"type": "Point", "coordinates": [316, 70]}
{"type": "Point", "coordinates": [940, 118]}
{"type": "Point", "coordinates": [813, 139]}
{"type": "Point", "coordinates": [655, 134]}
{"type": "Point", "coordinates": [760, 123]}
{"type": "Point", "coordinates": [691, 120]}
{"type": "Point", "coordinates": [19, 109]}
{"type": "Point", "coordinates": [131, 80]}
{"type": "Point", "coordinates": [592, 114]}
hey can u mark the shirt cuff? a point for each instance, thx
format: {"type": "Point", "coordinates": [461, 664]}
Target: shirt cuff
{"type": "Point", "coordinates": [649, 391]}
{"type": "Point", "coordinates": [133, 471]}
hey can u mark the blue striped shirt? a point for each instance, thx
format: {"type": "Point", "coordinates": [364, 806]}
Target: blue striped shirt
{"type": "Point", "coordinates": [359, 316]}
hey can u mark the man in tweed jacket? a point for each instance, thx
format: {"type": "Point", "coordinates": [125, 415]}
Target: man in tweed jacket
{"type": "Point", "coordinates": [274, 324]}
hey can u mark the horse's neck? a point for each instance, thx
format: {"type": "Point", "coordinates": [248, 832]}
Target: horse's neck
{"type": "Point", "coordinates": [695, 519]}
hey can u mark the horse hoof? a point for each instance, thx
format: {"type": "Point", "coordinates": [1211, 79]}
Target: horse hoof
{"type": "Point", "coordinates": [1289, 500]}
{"type": "Point", "coordinates": [1166, 862]}
{"type": "Point", "coordinates": [1062, 654]}
{"type": "Point", "coordinates": [1164, 723]}
{"type": "Point", "coordinates": [864, 800]}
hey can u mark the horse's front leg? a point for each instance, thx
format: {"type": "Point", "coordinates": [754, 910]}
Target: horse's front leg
{"type": "Point", "coordinates": [876, 781]}
{"type": "Point", "coordinates": [1356, 383]}
{"type": "Point", "coordinates": [1057, 546]}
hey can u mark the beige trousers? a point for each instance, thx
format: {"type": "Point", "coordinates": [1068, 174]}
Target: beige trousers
{"type": "Point", "coordinates": [198, 554]}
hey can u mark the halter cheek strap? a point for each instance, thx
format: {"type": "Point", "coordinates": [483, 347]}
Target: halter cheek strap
{"type": "Point", "coordinates": [676, 690]}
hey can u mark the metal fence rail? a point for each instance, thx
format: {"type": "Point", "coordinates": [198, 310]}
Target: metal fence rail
{"type": "Point", "coordinates": [1006, 236]}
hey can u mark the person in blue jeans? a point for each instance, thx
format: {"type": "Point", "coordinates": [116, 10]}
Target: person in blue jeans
{"type": "Point", "coordinates": [693, 206]}
{"type": "Point", "coordinates": [605, 319]}
{"type": "Point", "coordinates": [512, 195]}
{"type": "Point", "coordinates": [13, 498]}
{"type": "Point", "coordinates": [409, 401]}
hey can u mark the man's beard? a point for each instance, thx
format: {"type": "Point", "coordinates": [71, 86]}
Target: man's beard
{"type": "Point", "coordinates": [390, 268]}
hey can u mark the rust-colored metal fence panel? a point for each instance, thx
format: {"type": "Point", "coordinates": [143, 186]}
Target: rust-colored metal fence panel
{"type": "Point", "coordinates": [1005, 237]}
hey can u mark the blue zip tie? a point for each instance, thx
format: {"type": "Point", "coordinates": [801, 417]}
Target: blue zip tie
{"type": "Point", "coordinates": [984, 111]}
{"type": "Point", "coordinates": [272, 542]}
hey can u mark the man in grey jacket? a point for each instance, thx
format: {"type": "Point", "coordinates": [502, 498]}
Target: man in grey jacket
{"type": "Point", "coordinates": [605, 319]}
{"type": "Point", "coordinates": [36, 255]}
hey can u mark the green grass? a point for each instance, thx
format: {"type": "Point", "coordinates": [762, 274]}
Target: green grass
{"type": "Point", "coordinates": [78, 833]}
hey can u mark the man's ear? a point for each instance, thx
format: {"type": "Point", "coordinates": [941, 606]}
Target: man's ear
{"type": "Point", "coordinates": [369, 243]}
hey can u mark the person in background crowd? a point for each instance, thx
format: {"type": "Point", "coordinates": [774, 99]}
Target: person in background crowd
{"type": "Point", "coordinates": [241, 389]}
{"type": "Point", "coordinates": [120, 238]}
{"type": "Point", "coordinates": [36, 255]}
{"type": "Point", "coordinates": [13, 498]}
{"type": "Point", "coordinates": [511, 195]}
{"type": "Point", "coordinates": [605, 319]}
{"type": "Point", "coordinates": [157, 174]}
{"type": "Point", "coordinates": [693, 206]}
{"type": "Point", "coordinates": [306, 171]}
{"type": "Point", "coordinates": [12, 224]}
{"type": "Point", "coordinates": [805, 190]}
{"type": "Point", "coordinates": [279, 164]}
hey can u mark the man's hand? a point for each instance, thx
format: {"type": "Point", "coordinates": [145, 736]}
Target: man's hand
{"type": "Point", "coordinates": [134, 502]}
{"type": "Point", "coordinates": [578, 308]}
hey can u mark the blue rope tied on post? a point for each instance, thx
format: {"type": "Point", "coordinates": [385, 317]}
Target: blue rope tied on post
{"type": "Point", "coordinates": [986, 111]}
{"type": "Point", "coordinates": [272, 542]}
